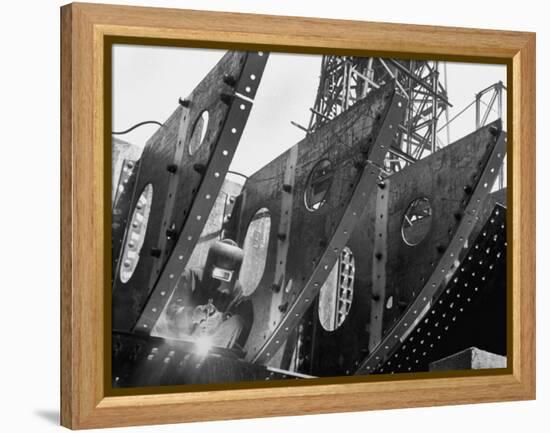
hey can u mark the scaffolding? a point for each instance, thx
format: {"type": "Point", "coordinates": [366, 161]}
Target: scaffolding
{"type": "Point", "coordinates": [345, 80]}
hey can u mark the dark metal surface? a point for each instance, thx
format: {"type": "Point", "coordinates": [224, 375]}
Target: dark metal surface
{"type": "Point", "coordinates": [390, 273]}
{"type": "Point", "coordinates": [446, 266]}
{"type": "Point", "coordinates": [168, 147]}
{"type": "Point", "coordinates": [210, 186]}
{"type": "Point", "coordinates": [478, 283]}
{"type": "Point", "coordinates": [142, 360]}
{"type": "Point", "coordinates": [248, 83]}
{"type": "Point", "coordinates": [379, 264]}
{"type": "Point", "coordinates": [413, 302]}
{"type": "Point", "coordinates": [297, 236]}
{"type": "Point", "coordinates": [179, 175]}
{"type": "Point", "coordinates": [342, 229]}
{"type": "Point", "coordinates": [346, 80]}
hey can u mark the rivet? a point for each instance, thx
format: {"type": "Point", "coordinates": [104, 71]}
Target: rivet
{"type": "Point", "coordinates": [199, 168]}
{"type": "Point", "coordinates": [226, 98]}
{"type": "Point", "coordinates": [229, 80]}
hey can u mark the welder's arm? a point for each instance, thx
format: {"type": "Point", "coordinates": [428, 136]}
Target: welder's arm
{"type": "Point", "coordinates": [179, 312]}
{"type": "Point", "coordinates": [237, 298]}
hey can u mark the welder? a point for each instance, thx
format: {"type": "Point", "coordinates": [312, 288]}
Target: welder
{"type": "Point", "coordinates": [207, 305]}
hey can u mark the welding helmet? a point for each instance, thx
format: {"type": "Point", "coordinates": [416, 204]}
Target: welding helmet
{"type": "Point", "coordinates": [223, 261]}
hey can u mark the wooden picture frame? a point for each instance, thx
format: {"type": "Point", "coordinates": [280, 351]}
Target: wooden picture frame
{"type": "Point", "coordinates": [85, 28]}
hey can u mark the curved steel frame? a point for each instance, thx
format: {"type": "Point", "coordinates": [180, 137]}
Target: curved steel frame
{"type": "Point", "coordinates": [446, 267]}
{"type": "Point", "coordinates": [351, 216]}
{"type": "Point", "coordinates": [214, 175]}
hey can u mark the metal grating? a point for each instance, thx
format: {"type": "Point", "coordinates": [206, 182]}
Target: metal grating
{"type": "Point", "coordinates": [446, 266]}
{"type": "Point", "coordinates": [475, 273]}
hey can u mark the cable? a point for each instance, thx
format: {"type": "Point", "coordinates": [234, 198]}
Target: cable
{"type": "Point", "coordinates": [137, 125]}
{"type": "Point", "coordinates": [454, 117]}
{"type": "Point", "coordinates": [236, 173]}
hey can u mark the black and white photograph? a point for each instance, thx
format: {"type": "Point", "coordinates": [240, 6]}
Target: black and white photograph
{"type": "Point", "coordinates": [284, 216]}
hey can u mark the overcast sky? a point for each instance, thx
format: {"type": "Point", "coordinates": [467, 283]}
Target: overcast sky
{"type": "Point", "coordinates": [147, 82]}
